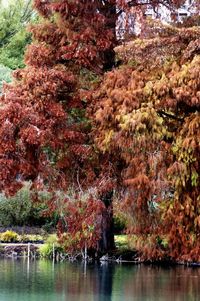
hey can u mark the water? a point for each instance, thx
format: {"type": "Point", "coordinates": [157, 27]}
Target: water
{"type": "Point", "coordinates": [40, 280]}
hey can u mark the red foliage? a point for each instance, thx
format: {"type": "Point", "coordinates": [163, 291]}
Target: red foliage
{"type": "Point", "coordinates": [44, 133]}
{"type": "Point", "coordinates": [38, 131]}
{"type": "Point", "coordinates": [82, 223]}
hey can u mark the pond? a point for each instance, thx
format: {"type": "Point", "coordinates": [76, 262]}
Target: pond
{"type": "Point", "coordinates": [40, 280]}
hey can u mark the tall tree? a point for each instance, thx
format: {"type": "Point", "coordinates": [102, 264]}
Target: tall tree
{"type": "Point", "coordinates": [148, 113]}
{"type": "Point", "coordinates": [45, 136]}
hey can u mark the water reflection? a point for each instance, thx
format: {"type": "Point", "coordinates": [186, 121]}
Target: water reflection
{"type": "Point", "coordinates": [21, 280]}
{"type": "Point", "coordinates": [84, 283]}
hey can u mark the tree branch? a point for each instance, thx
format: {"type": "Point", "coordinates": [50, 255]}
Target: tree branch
{"type": "Point", "coordinates": [165, 114]}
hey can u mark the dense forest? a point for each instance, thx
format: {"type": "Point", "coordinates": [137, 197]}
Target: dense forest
{"type": "Point", "coordinates": [103, 120]}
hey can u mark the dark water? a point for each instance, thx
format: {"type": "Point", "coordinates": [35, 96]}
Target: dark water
{"type": "Point", "coordinates": [45, 281]}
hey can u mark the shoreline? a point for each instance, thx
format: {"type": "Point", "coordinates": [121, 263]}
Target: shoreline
{"type": "Point", "coordinates": [31, 251]}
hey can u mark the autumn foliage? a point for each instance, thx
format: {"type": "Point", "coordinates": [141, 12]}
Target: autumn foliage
{"type": "Point", "coordinates": [67, 124]}
{"type": "Point", "coordinates": [147, 111]}
{"type": "Point", "coordinates": [40, 123]}
{"type": "Point", "coordinates": [80, 227]}
{"type": "Point", "coordinates": [44, 131]}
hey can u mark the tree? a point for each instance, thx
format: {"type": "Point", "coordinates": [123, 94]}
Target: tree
{"type": "Point", "coordinates": [14, 18]}
{"type": "Point", "coordinates": [45, 135]}
{"type": "Point", "coordinates": [147, 111]}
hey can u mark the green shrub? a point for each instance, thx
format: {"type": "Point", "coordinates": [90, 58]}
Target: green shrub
{"type": "Point", "coordinates": [30, 238]}
{"type": "Point", "coordinates": [9, 236]}
{"type": "Point", "coordinates": [16, 210]}
{"type": "Point", "coordinates": [46, 250]}
{"type": "Point", "coordinates": [20, 210]}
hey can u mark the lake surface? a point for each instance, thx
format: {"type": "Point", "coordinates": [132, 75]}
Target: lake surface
{"type": "Point", "coordinates": [41, 280]}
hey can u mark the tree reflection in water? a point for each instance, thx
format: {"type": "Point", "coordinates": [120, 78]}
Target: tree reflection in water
{"type": "Point", "coordinates": [128, 283]}
{"type": "Point", "coordinates": [85, 283]}
{"type": "Point", "coordinates": [45, 281]}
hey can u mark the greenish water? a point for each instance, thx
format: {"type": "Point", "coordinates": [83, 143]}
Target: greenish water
{"type": "Point", "coordinates": [44, 281]}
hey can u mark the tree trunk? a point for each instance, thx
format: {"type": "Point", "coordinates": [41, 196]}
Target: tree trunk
{"type": "Point", "coordinates": [107, 242]}
{"type": "Point", "coordinates": [104, 282]}
{"type": "Point", "coordinates": [110, 14]}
